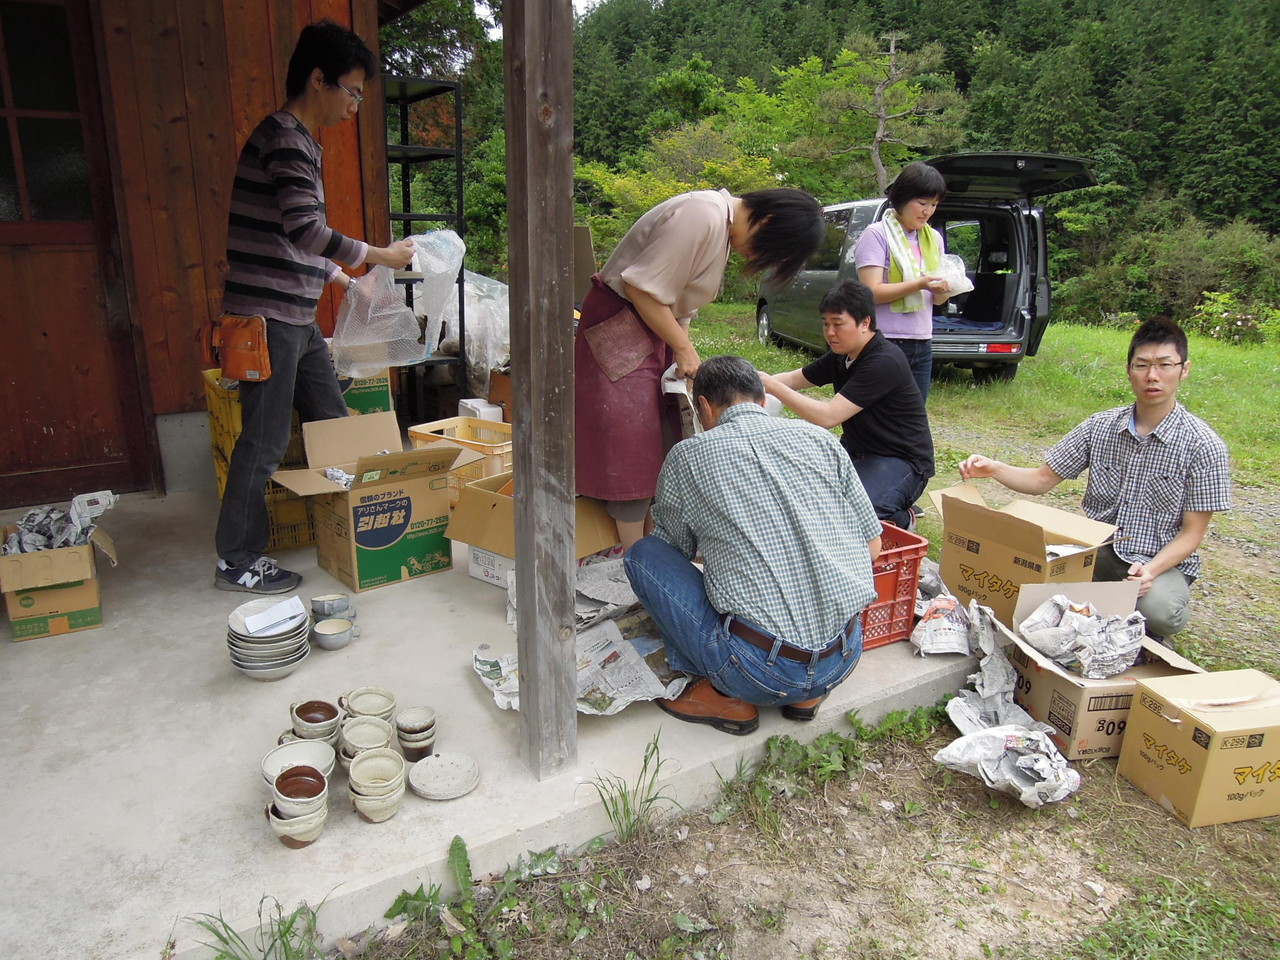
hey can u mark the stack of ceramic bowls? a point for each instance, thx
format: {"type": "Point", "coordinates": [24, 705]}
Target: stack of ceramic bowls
{"type": "Point", "coordinates": [314, 720]}
{"type": "Point", "coordinates": [359, 734]}
{"type": "Point", "coordinates": [271, 655]}
{"type": "Point", "coordinates": [300, 805]}
{"type": "Point", "coordinates": [416, 731]}
{"type": "Point", "coordinates": [375, 782]}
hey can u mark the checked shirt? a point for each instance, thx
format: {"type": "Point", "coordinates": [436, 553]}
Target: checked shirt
{"type": "Point", "coordinates": [1143, 485]}
{"type": "Point", "coordinates": [780, 518]}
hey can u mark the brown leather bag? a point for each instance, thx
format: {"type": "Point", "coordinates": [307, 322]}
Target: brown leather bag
{"type": "Point", "coordinates": [241, 343]}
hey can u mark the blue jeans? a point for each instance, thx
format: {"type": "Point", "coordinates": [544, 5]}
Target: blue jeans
{"type": "Point", "coordinates": [919, 354]}
{"type": "Point", "coordinates": [892, 486]}
{"type": "Point", "coordinates": [699, 643]}
{"type": "Point", "coordinates": [301, 376]}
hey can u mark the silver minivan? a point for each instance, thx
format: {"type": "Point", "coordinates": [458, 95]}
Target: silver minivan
{"type": "Point", "coordinates": [989, 219]}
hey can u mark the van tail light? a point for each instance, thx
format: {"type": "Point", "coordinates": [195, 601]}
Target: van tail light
{"type": "Point", "coordinates": [1001, 347]}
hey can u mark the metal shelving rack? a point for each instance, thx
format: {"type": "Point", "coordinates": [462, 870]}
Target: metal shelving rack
{"type": "Point", "coordinates": [400, 94]}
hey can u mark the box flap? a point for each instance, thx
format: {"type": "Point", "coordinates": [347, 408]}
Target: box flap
{"type": "Point", "coordinates": [1117, 598]}
{"type": "Point", "coordinates": [1223, 701]}
{"type": "Point", "coordinates": [1060, 526]}
{"type": "Point", "coordinates": [330, 443]}
{"type": "Point", "coordinates": [106, 546]}
{"type": "Point", "coordinates": [966, 491]}
{"type": "Point", "coordinates": [26, 571]}
{"type": "Point", "coordinates": [307, 482]}
{"type": "Point", "coordinates": [438, 458]}
{"type": "Point", "coordinates": [963, 517]}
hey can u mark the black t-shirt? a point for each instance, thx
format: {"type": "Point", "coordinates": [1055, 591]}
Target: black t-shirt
{"type": "Point", "coordinates": [892, 422]}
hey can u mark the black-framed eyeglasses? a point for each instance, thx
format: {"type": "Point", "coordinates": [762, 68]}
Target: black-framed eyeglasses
{"type": "Point", "coordinates": [358, 98]}
{"type": "Point", "coordinates": [1160, 366]}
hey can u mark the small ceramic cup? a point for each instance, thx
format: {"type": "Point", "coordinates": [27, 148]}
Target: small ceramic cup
{"type": "Point", "coordinates": [314, 719]}
{"type": "Point", "coordinates": [415, 721]}
{"type": "Point", "coordinates": [334, 633]}
{"type": "Point", "coordinates": [299, 791]}
{"type": "Point", "coordinates": [330, 605]}
{"type": "Point", "coordinates": [369, 702]}
{"type": "Point", "coordinates": [365, 733]}
{"type": "Point", "coordinates": [297, 832]}
{"type": "Point", "coordinates": [380, 808]}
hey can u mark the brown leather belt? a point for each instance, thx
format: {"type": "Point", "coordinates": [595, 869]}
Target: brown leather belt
{"type": "Point", "coordinates": [751, 635]}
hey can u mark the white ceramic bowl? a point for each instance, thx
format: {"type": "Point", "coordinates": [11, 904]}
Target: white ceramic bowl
{"type": "Point", "coordinates": [365, 733]}
{"type": "Point", "coordinates": [369, 702]}
{"type": "Point", "coordinates": [418, 738]}
{"type": "Point", "coordinates": [298, 831]}
{"type": "Point", "coordinates": [378, 809]}
{"type": "Point", "coordinates": [309, 753]}
{"type": "Point", "coordinates": [415, 721]}
{"type": "Point", "coordinates": [333, 634]}
{"type": "Point", "coordinates": [299, 791]}
{"type": "Point", "coordinates": [376, 772]}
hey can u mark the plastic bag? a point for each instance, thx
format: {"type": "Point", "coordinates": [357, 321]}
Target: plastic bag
{"type": "Point", "coordinates": [488, 329]}
{"type": "Point", "coordinates": [951, 268]}
{"type": "Point", "coordinates": [438, 259]}
{"type": "Point", "coordinates": [375, 328]}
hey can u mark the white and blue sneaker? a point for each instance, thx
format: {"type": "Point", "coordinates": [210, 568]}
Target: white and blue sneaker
{"type": "Point", "coordinates": [262, 576]}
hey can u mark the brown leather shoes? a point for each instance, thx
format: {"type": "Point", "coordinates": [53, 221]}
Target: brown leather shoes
{"type": "Point", "coordinates": [703, 703]}
{"type": "Point", "coordinates": [803, 709]}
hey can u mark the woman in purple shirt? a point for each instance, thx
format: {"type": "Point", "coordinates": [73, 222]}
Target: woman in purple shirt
{"type": "Point", "coordinates": [898, 258]}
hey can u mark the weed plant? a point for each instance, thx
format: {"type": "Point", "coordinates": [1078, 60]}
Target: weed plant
{"type": "Point", "coordinates": [633, 807]}
{"type": "Point", "coordinates": [280, 935]}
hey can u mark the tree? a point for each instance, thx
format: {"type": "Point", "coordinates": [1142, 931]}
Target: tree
{"type": "Point", "coordinates": [910, 107]}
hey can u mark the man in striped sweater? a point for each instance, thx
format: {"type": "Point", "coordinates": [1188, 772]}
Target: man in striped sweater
{"type": "Point", "coordinates": [280, 253]}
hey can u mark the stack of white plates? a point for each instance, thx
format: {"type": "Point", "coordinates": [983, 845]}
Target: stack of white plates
{"type": "Point", "coordinates": [271, 655]}
{"type": "Point", "coordinates": [444, 776]}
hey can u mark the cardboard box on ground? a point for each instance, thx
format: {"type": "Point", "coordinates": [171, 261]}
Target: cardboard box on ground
{"type": "Point", "coordinates": [50, 592]}
{"type": "Point", "coordinates": [485, 520]}
{"type": "Point", "coordinates": [390, 526]}
{"type": "Point", "coordinates": [1090, 717]}
{"type": "Point", "coordinates": [988, 554]}
{"type": "Point", "coordinates": [1206, 747]}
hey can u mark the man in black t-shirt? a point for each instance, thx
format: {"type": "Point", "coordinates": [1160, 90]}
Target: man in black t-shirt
{"type": "Point", "coordinates": [885, 428]}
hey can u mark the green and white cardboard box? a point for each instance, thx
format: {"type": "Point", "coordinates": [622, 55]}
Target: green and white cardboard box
{"type": "Point", "coordinates": [54, 591]}
{"type": "Point", "coordinates": [390, 525]}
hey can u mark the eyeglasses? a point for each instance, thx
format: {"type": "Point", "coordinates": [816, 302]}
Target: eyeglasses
{"type": "Point", "coordinates": [1162, 366]}
{"type": "Point", "coordinates": [358, 98]}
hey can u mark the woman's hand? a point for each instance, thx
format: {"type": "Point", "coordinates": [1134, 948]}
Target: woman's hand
{"type": "Point", "coordinates": [687, 361]}
{"type": "Point", "coordinates": [397, 256]}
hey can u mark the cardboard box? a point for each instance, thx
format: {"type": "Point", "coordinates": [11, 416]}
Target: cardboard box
{"type": "Point", "coordinates": [390, 525]}
{"type": "Point", "coordinates": [1206, 747]}
{"type": "Point", "coordinates": [368, 394]}
{"type": "Point", "coordinates": [486, 520]}
{"type": "Point", "coordinates": [500, 392]}
{"type": "Point", "coordinates": [988, 554]}
{"type": "Point", "coordinates": [54, 591]}
{"type": "Point", "coordinates": [1090, 716]}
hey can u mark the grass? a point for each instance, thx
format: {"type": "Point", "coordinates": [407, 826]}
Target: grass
{"type": "Point", "coordinates": [1078, 371]}
{"type": "Point", "coordinates": [280, 935]}
{"type": "Point", "coordinates": [632, 807]}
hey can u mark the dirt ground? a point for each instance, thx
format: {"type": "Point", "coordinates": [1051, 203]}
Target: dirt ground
{"type": "Point", "coordinates": [904, 859]}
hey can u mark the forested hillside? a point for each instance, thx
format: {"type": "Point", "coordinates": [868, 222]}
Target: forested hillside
{"type": "Point", "coordinates": [1177, 102]}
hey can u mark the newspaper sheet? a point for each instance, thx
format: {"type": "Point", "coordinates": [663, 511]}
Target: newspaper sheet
{"type": "Point", "coordinates": [612, 672]}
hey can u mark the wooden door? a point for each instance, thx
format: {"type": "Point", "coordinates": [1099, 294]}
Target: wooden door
{"type": "Point", "coordinates": [71, 409]}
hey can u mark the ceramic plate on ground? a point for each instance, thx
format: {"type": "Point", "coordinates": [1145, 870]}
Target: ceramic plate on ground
{"type": "Point", "coordinates": [260, 605]}
{"type": "Point", "coordinates": [444, 776]}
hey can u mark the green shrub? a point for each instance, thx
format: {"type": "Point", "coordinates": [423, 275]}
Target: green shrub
{"type": "Point", "coordinates": [1224, 317]}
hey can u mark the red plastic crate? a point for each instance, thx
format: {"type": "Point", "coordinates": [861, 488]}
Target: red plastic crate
{"type": "Point", "coordinates": [897, 572]}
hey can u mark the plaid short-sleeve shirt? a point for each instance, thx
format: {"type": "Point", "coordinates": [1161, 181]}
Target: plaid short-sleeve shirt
{"type": "Point", "coordinates": [1143, 485]}
{"type": "Point", "coordinates": [780, 518]}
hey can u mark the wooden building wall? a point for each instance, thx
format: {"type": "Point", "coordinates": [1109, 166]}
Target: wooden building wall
{"type": "Point", "coordinates": [184, 83]}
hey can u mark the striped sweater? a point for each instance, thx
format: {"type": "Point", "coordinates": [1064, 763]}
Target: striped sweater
{"type": "Point", "coordinates": [280, 249]}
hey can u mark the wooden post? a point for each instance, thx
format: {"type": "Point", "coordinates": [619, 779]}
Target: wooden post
{"type": "Point", "coordinates": [538, 43]}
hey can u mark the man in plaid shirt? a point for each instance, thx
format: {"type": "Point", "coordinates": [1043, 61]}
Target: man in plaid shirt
{"type": "Point", "coordinates": [1155, 471]}
{"type": "Point", "coordinates": [786, 535]}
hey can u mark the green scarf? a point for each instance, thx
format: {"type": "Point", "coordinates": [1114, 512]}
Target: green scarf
{"type": "Point", "coordinates": [903, 266]}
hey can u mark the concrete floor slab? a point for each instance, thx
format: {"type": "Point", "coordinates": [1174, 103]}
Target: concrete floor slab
{"type": "Point", "coordinates": [133, 796]}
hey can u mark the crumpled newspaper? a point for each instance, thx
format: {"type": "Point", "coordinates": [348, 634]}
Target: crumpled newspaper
{"type": "Point", "coordinates": [928, 585]}
{"type": "Point", "coordinates": [603, 592]}
{"type": "Point", "coordinates": [1000, 743]}
{"type": "Point", "coordinates": [48, 528]}
{"type": "Point", "coordinates": [943, 627]}
{"type": "Point", "coordinates": [1077, 637]}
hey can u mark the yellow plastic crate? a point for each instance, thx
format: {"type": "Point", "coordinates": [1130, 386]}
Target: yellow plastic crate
{"type": "Point", "coordinates": [291, 522]}
{"type": "Point", "coordinates": [225, 421]}
{"type": "Point", "coordinates": [492, 438]}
